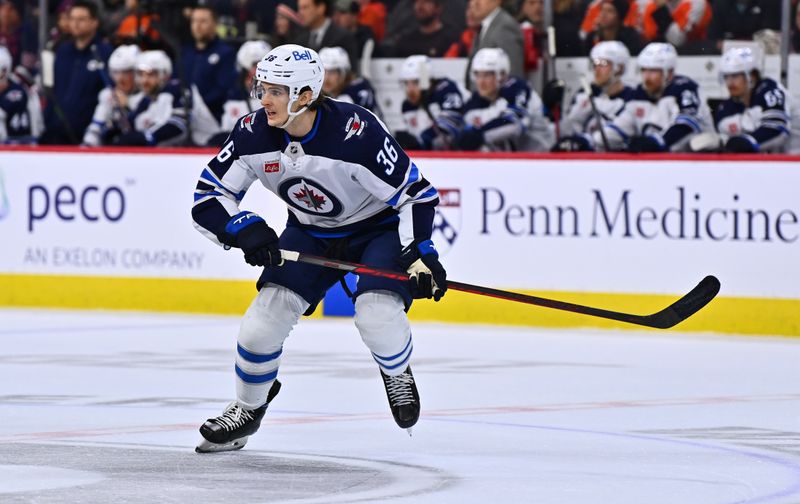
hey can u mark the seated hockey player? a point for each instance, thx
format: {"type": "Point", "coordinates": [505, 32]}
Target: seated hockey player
{"type": "Point", "coordinates": [608, 61]}
{"type": "Point", "coordinates": [759, 116]}
{"type": "Point", "coordinates": [503, 113]}
{"type": "Point", "coordinates": [20, 117]}
{"type": "Point", "coordinates": [432, 108]}
{"type": "Point", "coordinates": [342, 84]}
{"type": "Point", "coordinates": [239, 102]}
{"type": "Point", "coordinates": [160, 117]}
{"type": "Point", "coordinates": [352, 194]}
{"type": "Point", "coordinates": [663, 115]}
{"type": "Point", "coordinates": [114, 104]}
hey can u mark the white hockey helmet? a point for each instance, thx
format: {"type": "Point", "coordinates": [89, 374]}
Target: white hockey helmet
{"type": "Point", "coordinates": [491, 59]}
{"type": "Point", "coordinates": [155, 61]}
{"type": "Point", "coordinates": [658, 55]}
{"type": "Point", "coordinates": [418, 68]}
{"type": "Point", "coordinates": [335, 58]}
{"type": "Point", "coordinates": [123, 58]}
{"type": "Point", "coordinates": [612, 51]}
{"type": "Point", "coordinates": [5, 63]}
{"type": "Point", "coordinates": [295, 67]}
{"type": "Point", "coordinates": [738, 60]}
{"type": "Point", "coordinates": [251, 53]}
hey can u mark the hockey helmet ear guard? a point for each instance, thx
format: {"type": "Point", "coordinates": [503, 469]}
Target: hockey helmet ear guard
{"type": "Point", "coordinates": [295, 67]}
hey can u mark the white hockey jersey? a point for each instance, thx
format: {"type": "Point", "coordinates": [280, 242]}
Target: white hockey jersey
{"type": "Point", "coordinates": [20, 114]}
{"type": "Point", "coordinates": [110, 116]}
{"type": "Point", "coordinates": [676, 117]}
{"type": "Point", "coordinates": [163, 116]}
{"type": "Point", "coordinates": [514, 121]}
{"type": "Point", "coordinates": [772, 119]}
{"type": "Point", "coordinates": [346, 175]}
{"type": "Point", "coordinates": [580, 117]}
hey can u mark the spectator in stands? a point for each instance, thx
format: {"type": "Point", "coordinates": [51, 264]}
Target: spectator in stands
{"type": "Point", "coordinates": [431, 37]}
{"type": "Point", "coordinates": [531, 21]}
{"type": "Point", "coordinates": [676, 21]}
{"type": "Point", "coordinates": [759, 116]}
{"type": "Point", "coordinates": [589, 23]}
{"type": "Point", "coordinates": [20, 117]}
{"type": "Point", "coordinates": [609, 60]}
{"type": "Point", "coordinates": [345, 15]}
{"type": "Point", "coordinates": [115, 103]}
{"type": "Point", "coordinates": [373, 14]}
{"type": "Point", "coordinates": [239, 102]}
{"type": "Point", "coordinates": [208, 69]}
{"type": "Point", "coordinates": [341, 82]}
{"type": "Point", "coordinates": [796, 28]}
{"type": "Point", "coordinates": [740, 19]}
{"type": "Point", "coordinates": [77, 78]}
{"type": "Point", "coordinates": [401, 20]}
{"type": "Point", "coordinates": [136, 27]}
{"type": "Point", "coordinates": [60, 32]}
{"type": "Point", "coordinates": [499, 29]}
{"type": "Point", "coordinates": [462, 47]}
{"type": "Point", "coordinates": [566, 22]}
{"type": "Point", "coordinates": [288, 26]}
{"type": "Point", "coordinates": [503, 113]}
{"type": "Point", "coordinates": [322, 32]}
{"type": "Point", "coordinates": [610, 27]}
{"type": "Point", "coordinates": [432, 110]}
{"type": "Point", "coordinates": [160, 117]}
{"type": "Point", "coordinates": [664, 114]}
{"type": "Point", "coordinates": [18, 35]}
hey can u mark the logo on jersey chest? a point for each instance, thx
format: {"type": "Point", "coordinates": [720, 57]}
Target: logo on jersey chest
{"type": "Point", "coordinates": [640, 112]}
{"type": "Point", "coordinates": [309, 197]}
{"type": "Point", "coordinates": [272, 166]}
{"type": "Point", "coordinates": [355, 126]}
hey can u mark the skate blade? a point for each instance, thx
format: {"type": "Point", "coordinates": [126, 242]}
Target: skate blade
{"type": "Point", "coordinates": [409, 431]}
{"type": "Point", "coordinates": [206, 446]}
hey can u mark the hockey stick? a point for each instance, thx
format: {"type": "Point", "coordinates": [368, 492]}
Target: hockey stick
{"type": "Point", "coordinates": [587, 88]}
{"type": "Point", "coordinates": [675, 313]}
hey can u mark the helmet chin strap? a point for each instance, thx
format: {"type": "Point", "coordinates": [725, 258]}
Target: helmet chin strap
{"type": "Point", "coordinates": [292, 115]}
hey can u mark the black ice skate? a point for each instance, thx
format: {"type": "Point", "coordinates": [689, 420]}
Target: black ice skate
{"type": "Point", "coordinates": [401, 390]}
{"type": "Point", "coordinates": [231, 430]}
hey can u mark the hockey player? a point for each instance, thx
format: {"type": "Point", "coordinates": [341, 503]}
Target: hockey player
{"type": "Point", "coordinates": [341, 82]}
{"type": "Point", "coordinates": [353, 194]}
{"type": "Point", "coordinates": [760, 115]}
{"type": "Point", "coordinates": [20, 118]}
{"type": "Point", "coordinates": [114, 104]}
{"type": "Point", "coordinates": [159, 118]}
{"type": "Point", "coordinates": [503, 113]}
{"type": "Point", "coordinates": [239, 102]}
{"type": "Point", "coordinates": [609, 61]}
{"type": "Point", "coordinates": [664, 114]}
{"type": "Point", "coordinates": [432, 109]}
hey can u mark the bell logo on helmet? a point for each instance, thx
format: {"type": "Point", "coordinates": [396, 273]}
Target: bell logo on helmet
{"type": "Point", "coordinates": [301, 56]}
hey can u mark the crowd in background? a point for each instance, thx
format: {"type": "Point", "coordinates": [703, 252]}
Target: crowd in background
{"type": "Point", "coordinates": [177, 72]}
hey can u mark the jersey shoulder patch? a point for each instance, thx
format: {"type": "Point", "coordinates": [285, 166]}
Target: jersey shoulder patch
{"type": "Point", "coordinates": [447, 95]}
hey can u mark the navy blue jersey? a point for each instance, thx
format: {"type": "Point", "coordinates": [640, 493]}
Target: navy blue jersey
{"type": "Point", "coordinates": [213, 71]}
{"type": "Point", "coordinates": [346, 175]}
{"type": "Point", "coordinates": [361, 92]}
{"type": "Point", "coordinates": [439, 118]}
{"type": "Point", "coordinates": [14, 113]}
{"type": "Point", "coordinates": [163, 116]}
{"type": "Point", "coordinates": [78, 81]}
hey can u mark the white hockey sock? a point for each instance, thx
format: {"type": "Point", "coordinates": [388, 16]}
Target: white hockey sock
{"type": "Point", "coordinates": [383, 324]}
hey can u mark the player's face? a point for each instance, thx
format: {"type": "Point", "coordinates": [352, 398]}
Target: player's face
{"type": "Point", "coordinates": [736, 84]}
{"type": "Point", "coordinates": [653, 80]}
{"type": "Point", "coordinates": [203, 25]}
{"type": "Point", "coordinates": [275, 100]}
{"type": "Point", "coordinates": [124, 81]}
{"type": "Point", "coordinates": [334, 82]}
{"type": "Point", "coordinates": [486, 84]}
{"type": "Point", "coordinates": [149, 81]}
{"type": "Point", "coordinates": [603, 71]}
{"type": "Point", "coordinates": [413, 91]}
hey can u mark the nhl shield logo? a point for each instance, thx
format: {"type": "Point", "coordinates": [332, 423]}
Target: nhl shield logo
{"type": "Point", "coordinates": [355, 126]}
{"type": "Point", "coordinates": [447, 221]}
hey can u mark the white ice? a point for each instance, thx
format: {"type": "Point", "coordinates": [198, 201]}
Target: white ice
{"type": "Point", "coordinates": [100, 407]}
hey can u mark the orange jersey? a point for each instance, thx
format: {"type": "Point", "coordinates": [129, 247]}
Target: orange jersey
{"type": "Point", "coordinates": [691, 17]}
{"type": "Point", "coordinates": [588, 25]}
{"type": "Point", "coordinates": [374, 15]}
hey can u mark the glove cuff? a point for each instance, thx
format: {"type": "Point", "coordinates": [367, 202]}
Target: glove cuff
{"type": "Point", "coordinates": [427, 247]}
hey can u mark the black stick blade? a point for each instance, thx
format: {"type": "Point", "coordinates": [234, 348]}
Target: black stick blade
{"type": "Point", "coordinates": [686, 306]}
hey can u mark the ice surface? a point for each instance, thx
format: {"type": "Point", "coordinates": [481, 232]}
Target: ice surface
{"type": "Point", "coordinates": [100, 407]}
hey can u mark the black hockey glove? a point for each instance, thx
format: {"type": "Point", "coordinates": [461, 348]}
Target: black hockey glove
{"type": "Point", "coordinates": [427, 277]}
{"type": "Point", "coordinates": [575, 143]}
{"type": "Point", "coordinates": [133, 138]}
{"type": "Point", "coordinates": [470, 139]}
{"type": "Point", "coordinates": [259, 242]}
{"type": "Point", "coordinates": [741, 144]}
{"type": "Point", "coordinates": [647, 143]}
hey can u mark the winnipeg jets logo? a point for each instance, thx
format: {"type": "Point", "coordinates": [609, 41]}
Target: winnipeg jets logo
{"type": "Point", "coordinates": [309, 197]}
{"type": "Point", "coordinates": [247, 122]}
{"type": "Point", "coordinates": [355, 126]}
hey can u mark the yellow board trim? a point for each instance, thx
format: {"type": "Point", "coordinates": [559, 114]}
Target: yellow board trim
{"type": "Point", "coordinates": [756, 316]}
